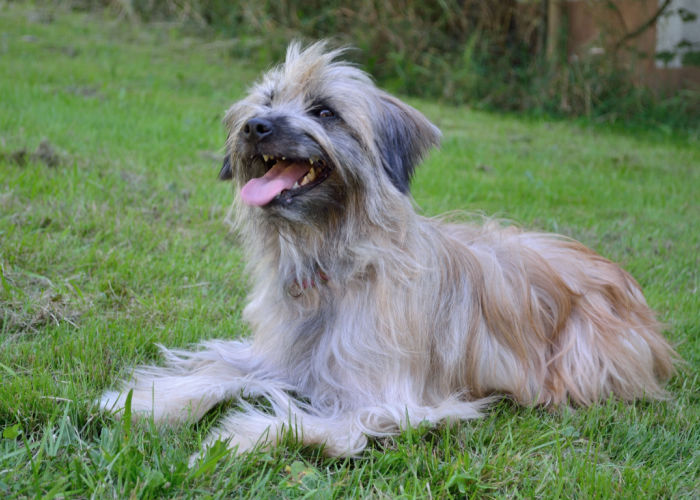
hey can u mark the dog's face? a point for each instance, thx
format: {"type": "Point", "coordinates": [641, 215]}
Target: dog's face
{"type": "Point", "coordinates": [315, 138]}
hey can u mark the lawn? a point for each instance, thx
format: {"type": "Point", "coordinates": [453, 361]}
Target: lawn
{"type": "Point", "coordinates": [112, 239]}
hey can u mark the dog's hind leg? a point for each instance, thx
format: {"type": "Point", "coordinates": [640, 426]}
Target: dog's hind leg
{"type": "Point", "coordinates": [187, 386]}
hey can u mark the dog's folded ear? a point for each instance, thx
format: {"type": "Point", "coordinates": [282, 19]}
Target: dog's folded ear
{"type": "Point", "coordinates": [403, 137]}
{"type": "Point", "coordinates": [226, 173]}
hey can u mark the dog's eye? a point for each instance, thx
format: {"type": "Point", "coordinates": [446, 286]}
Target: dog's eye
{"type": "Point", "coordinates": [321, 110]}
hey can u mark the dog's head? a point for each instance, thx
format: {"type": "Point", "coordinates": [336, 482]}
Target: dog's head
{"type": "Point", "coordinates": [316, 136]}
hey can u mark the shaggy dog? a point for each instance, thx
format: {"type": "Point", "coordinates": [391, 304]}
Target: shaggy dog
{"type": "Point", "coordinates": [365, 316]}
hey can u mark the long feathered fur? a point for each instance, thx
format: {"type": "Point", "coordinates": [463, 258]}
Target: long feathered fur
{"type": "Point", "coordinates": [366, 316]}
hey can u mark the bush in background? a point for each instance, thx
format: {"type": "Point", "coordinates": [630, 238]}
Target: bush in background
{"type": "Point", "coordinates": [485, 54]}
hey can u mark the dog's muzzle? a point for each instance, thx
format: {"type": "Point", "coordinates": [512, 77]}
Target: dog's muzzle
{"type": "Point", "coordinates": [292, 162]}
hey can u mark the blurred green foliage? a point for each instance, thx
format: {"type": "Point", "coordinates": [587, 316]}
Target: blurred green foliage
{"type": "Point", "coordinates": [485, 54]}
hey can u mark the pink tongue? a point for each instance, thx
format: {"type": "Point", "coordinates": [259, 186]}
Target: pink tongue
{"type": "Point", "coordinates": [261, 191]}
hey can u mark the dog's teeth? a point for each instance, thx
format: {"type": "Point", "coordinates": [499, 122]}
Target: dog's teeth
{"type": "Point", "coordinates": [296, 185]}
{"type": "Point", "coordinates": [309, 177]}
{"type": "Point", "coordinates": [265, 157]}
{"type": "Point", "coordinates": [284, 158]}
{"type": "Point", "coordinates": [311, 161]}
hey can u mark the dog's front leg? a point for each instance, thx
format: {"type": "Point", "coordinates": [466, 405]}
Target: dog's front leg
{"type": "Point", "coordinates": [188, 385]}
{"type": "Point", "coordinates": [340, 435]}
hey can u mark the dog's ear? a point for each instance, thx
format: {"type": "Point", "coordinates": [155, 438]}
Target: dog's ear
{"type": "Point", "coordinates": [226, 173]}
{"type": "Point", "coordinates": [403, 137]}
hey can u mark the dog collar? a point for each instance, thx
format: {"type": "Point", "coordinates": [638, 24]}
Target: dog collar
{"type": "Point", "coordinates": [296, 289]}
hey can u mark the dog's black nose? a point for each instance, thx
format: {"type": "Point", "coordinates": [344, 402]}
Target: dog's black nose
{"type": "Point", "coordinates": [257, 128]}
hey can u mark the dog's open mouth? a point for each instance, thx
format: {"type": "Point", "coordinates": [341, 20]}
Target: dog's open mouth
{"type": "Point", "coordinates": [284, 179]}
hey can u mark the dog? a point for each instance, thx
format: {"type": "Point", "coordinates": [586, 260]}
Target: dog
{"type": "Point", "coordinates": [367, 317]}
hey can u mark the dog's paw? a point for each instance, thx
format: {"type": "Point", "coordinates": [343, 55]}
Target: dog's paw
{"type": "Point", "coordinates": [214, 448]}
{"type": "Point", "coordinates": [116, 403]}
{"type": "Point", "coordinates": [112, 402]}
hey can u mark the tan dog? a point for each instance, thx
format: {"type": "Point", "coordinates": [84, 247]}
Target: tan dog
{"type": "Point", "coordinates": [366, 316]}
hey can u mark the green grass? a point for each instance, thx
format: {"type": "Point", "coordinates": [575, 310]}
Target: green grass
{"type": "Point", "coordinates": [122, 245]}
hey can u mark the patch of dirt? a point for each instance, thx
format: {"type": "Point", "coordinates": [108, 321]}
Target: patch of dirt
{"type": "Point", "coordinates": [18, 157]}
{"type": "Point", "coordinates": [41, 17]}
{"type": "Point", "coordinates": [29, 302]}
{"type": "Point", "coordinates": [86, 91]}
{"type": "Point", "coordinates": [45, 153]}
